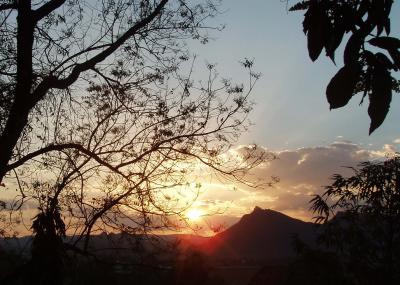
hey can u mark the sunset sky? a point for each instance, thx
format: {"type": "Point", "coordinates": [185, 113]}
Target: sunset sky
{"type": "Point", "coordinates": [291, 116]}
{"type": "Point", "coordinates": [195, 142]}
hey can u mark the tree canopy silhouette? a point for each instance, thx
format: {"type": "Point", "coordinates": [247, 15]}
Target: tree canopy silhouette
{"type": "Point", "coordinates": [101, 120]}
{"type": "Point", "coordinates": [365, 229]}
{"type": "Point", "coordinates": [370, 55]}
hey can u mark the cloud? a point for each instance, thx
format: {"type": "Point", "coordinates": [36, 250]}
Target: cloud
{"type": "Point", "coordinates": [302, 172]}
{"type": "Point", "coordinates": [313, 166]}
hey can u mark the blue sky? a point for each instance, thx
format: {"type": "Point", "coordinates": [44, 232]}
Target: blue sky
{"type": "Point", "coordinates": [291, 109]}
{"type": "Point", "coordinates": [291, 115]}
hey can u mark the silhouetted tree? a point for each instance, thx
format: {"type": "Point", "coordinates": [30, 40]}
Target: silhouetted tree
{"type": "Point", "coordinates": [47, 246]}
{"type": "Point", "coordinates": [366, 231]}
{"type": "Point", "coordinates": [369, 56]}
{"type": "Point", "coordinates": [316, 265]}
{"type": "Point", "coordinates": [101, 122]}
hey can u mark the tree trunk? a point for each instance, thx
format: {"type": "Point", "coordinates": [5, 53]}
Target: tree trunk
{"type": "Point", "coordinates": [22, 101]}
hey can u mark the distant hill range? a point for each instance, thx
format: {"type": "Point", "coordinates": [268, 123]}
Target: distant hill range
{"type": "Point", "coordinates": [262, 235]}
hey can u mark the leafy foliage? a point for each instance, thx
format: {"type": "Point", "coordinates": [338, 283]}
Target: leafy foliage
{"type": "Point", "coordinates": [315, 266]}
{"type": "Point", "coordinates": [369, 56]}
{"type": "Point", "coordinates": [48, 253]}
{"type": "Point", "coordinates": [365, 230]}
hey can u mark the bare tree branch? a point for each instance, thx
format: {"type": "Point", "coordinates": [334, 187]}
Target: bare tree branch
{"type": "Point", "coordinates": [61, 147]}
{"type": "Point", "coordinates": [47, 8]}
{"type": "Point", "coordinates": [8, 6]}
{"type": "Point", "coordinates": [53, 82]}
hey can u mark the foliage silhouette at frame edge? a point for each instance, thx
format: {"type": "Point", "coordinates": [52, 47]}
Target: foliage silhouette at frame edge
{"type": "Point", "coordinates": [369, 56]}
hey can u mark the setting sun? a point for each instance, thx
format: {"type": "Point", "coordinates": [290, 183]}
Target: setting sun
{"type": "Point", "coordinates": [194, 214]}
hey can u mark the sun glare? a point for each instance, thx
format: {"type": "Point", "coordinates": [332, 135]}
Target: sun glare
{"type": "Point", "coordinates": [194, 214]}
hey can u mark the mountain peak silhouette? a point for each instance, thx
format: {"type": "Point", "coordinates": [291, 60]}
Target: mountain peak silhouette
{"type": "Point", "coordinates": [263, 234]}
{"type": "Point", "coordinates": [257, 209]}
{"type": "Point", "coordinates": [266, 213]}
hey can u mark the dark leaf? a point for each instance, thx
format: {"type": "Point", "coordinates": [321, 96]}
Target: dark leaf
{"type": "Point", "coordinates": [378, 15]}
{"type": "Point", "coordinates": [333, 41]}
{"type": "Point", "coordinates": [307, 21]}
{"type": "Point", "coordinates": [363, 8]}
{"type": "Point", "coordinates": [395, 55]}
{"type": "Point", "coordinates": [379, 98]}
{"type": "Point", "coordinates": [387, 26]}
{"type": "Point", "coordinates": [315, 25]}
{"type": "Point", "coordinates": [303, 5]}
{"type": "Point", "coordinates": [352, 49]}
{"type": "Point", "coordinates": [387, 43]}
{"type": "Point", "coordinates": [388, 7]}
{"type": "Point", "coordinates": [379, 29]}
{"type": "Point", "coordinates": [346, 17]}
{"type": "Point", "coordinates": [341, 87]}
{"type": "Point", "coordinates": [384, 61]}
